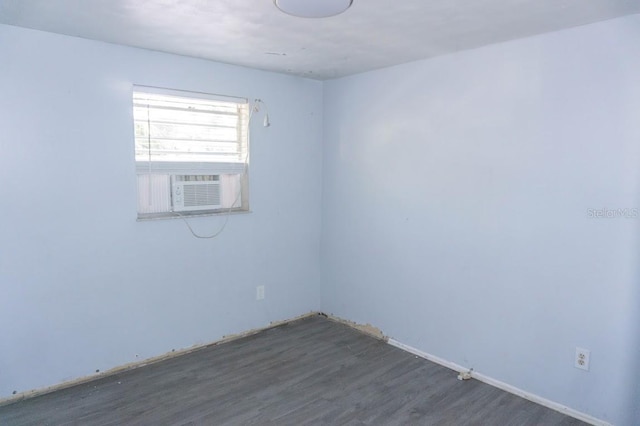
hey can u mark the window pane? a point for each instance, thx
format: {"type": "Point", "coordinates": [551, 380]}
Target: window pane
{"type": "Point", "coordinates": [170, 128]}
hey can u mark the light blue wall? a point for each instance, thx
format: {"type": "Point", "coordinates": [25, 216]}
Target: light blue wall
{"type": "Point", "coordinates": [455, 205]}
{"type": "Point", "coordinates": [633, 398]}
{"type": "Point", "coordinates": [83, 286]}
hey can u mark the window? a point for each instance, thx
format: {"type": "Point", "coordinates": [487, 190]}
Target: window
{"type": "Point", "coordinates": [191, 153]}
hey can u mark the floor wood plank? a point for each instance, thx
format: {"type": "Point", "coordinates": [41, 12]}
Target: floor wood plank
{"type": "Point", "coordinates": [312, 371]}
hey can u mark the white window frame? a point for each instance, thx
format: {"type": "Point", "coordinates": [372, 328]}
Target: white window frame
{"type": "Point", "coordinates": [164, 162]}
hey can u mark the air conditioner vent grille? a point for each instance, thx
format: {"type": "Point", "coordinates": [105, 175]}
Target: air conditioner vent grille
{"type": "Point", "coordinates": [201, 195]}
{"type": "Point", "coordinates": [197, 192]}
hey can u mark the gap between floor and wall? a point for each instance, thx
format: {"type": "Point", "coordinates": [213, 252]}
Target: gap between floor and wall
{"type": "Point", "coordinates": [363, 328]}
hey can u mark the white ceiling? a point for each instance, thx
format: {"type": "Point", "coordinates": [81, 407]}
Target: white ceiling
{"type": "Point", "coordinates": [254, 33]}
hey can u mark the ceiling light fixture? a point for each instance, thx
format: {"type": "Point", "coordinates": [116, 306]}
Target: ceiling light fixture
{"type": "Point", "coordinates": [313, 8]}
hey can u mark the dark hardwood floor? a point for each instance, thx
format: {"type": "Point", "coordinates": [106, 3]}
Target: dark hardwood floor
{"type": "Point", "coordinates": [313, 371]}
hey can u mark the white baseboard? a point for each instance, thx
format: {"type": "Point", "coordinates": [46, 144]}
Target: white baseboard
{"type": "Point", "coordinates": [501, 385]}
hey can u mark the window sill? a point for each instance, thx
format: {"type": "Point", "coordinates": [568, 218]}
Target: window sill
{"type": "Point", "coordinates": [187, 215]}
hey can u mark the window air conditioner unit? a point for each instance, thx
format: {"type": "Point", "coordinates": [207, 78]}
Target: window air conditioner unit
{"type": "Point", "coordinates": [195, 192]}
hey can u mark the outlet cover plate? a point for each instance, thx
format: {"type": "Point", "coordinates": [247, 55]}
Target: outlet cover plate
{"type": "Point", "coordinates": [260, 292]}
{"type": "Point", "coordinates": [582, 358]}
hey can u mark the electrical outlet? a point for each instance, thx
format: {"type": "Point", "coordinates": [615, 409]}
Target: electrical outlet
{"type": "Point", "coordinates": [582, 358]}
{"type": "Point", "coordinates": [260, 292]}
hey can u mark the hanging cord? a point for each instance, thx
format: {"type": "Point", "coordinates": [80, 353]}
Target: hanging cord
{"type": "Point", "coordinates": [252, 108]}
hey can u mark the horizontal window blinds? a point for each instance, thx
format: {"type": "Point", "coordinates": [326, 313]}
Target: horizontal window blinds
{"type": "Point", "coordinates": [175, 134]}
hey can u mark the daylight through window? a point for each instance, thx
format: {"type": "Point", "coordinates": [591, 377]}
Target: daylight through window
{"type": "Point", "coordinates": [191, 153]}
